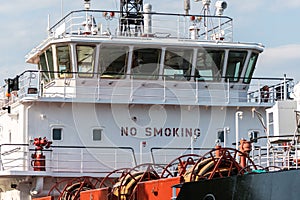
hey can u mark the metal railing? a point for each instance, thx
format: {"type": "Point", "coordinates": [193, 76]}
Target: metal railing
{"type": "Point", "coordinates": [264, 91]}
{"type": "Point", "coordinates": [276, 156]}
{"type": "Point", "coordinates": [80, 159]}
{"type": "Point", "coordinates": [106, 23]}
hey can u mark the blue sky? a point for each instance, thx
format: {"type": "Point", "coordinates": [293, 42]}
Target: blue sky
{"type": "Point", "coordinates": [272, 23]}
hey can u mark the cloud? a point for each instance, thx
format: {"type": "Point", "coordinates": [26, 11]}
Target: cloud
{"type": "Point", "coordinates": [256, 6]}
{"type": "Point", "coordinates": [281, 54]}
{"type": "Point", "coordinates": [279, 4]}
{"type": "Point", "coordinates": [246, 6]}
{"type": "Point", "coordinates": [280, 60]}
{"type": "Point", "coordinates": [21, 6]}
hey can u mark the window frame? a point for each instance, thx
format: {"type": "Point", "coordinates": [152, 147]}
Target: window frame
{"type": "Point", "coordinates": [172, 52]}
{"type": "Point", "coordinates": [61, 133]}
{"type": "Point", "coordinates": [235, 77]}
{"type": "Point", "coordinates": [139, 62]}
{"type": "Point", "coordinates": [47, 67]}
{"type": "Point", "coordinates": [216, 70]}
{"type": "Point", "coordinates": [92, 63]}
{"type": "Point", "coordinates": [101, 133]}
{"type": "Point", "coordinates": [250, 67]}
{"type": "Point", "coordinates": [114, 75]}
{"type": "Point", "coordinates": [68, 72]}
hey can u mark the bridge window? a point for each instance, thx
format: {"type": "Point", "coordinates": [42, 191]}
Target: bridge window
{"type": "Point", "coordinates": [64, 61]}
{"type": "Point", "coordinates": [209, 65]}
{"type": "Point", "coordinates": [250, 67]}
{"type": "Point", "coordinates": [113, 61]}
{"type": "Point", "coordinates": [46, 65]}
{"type": "Point", "coordinates": [145, 63]}
{"type": "Point", "coordinates": [85, 60]}
{"type": "Point", "coordinates": [178, 64]}
{"type": "Point", "coordinates": [235, 65]}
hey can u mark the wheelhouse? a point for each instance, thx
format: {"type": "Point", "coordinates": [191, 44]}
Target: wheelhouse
{"type": "Point", "coordinates": [104, 60]}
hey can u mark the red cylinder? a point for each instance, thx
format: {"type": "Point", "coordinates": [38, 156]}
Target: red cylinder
{"type": "Point", "coordinates": [218, 151]}
{"type": "Point", "coordinates": [39, 162]}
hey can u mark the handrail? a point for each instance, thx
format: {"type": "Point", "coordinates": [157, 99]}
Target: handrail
{"type": "Point", "coordinates": [283, 155]}
{"type": "Point", "coordinates": [21, 159]}
{"type": "Point", "coordinates": [150, 13]}
{"type": "Point", "coordinates": [31, 87]}
{"type": "Point", "coordinates": [188, 76]}
{"type": "Point", "coordinates": [220, 27]}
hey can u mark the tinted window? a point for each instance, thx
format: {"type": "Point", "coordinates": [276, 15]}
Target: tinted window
{"type": "Point", "coordinates": [209, 65]}
{"type": "Point", "coordinates": [46, 65]}
{"type": "Point", "coordinates": [85, 60]}
{"type": "Point", "coordinates": [178, 64]}
{"type": "Point", "coordinates": [250, 67]}
{"type": "Point", "coordinates": [97, 134]}
{"type": "Point", "coordinates": [145, 63]}
{"type": "Point", "coordinates": [235, 65]}
{"type": "Point", "coordinates": [64, 61]}
{"type": "Point", "coordinates": [57, 133]}
{"type": "Point", "coordinates": [113, 61]}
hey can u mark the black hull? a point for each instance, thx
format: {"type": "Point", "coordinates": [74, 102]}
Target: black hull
{"type": "Point", "coordinates": [265, 186]}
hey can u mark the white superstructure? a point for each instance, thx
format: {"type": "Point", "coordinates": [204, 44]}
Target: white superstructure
{"type": "Point", "coordinates": [110, 93]}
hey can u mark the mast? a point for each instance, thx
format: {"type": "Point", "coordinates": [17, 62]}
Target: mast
{"type": "Point", "coordinates": [131, 18]}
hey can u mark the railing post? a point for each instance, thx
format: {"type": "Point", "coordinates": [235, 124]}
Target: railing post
{"type": "Point", "coordinates": [81, 160]}
{"type": "Point", "coordinates": [1, 164]}
{"type": "Point", "coordinates": [259, 94]}
{"type": "Point", "coordinates": [284, 88]}
{"type": "Point", "coordinates": [197, 88]}
{"type": "Point", "coordinates": [296, 152]}
{"type": "Point", "coordinates": [116, 159]}
{"type": "Point", "coordinates": [178, 28]}
{"type": "Point", "coordinates": [259, 153]}
{"type": "Point", "coordinates": [39, 85]}
{"type": "Point", "coordinates": [131, 88]}
{"type": "Point", "coordinates": [228, 91]}
{"type": "Point", "coordinates": [51, 161]}
{"type": "Point", "coordinates": [164, 88]}
{"type": "Point", "coordinates": [65, 89]}
{"type": "Point", "coordinates": [98, 88]}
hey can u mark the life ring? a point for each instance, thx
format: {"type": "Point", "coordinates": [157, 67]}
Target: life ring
{"type": "Point", "coordinates": [264, 93]}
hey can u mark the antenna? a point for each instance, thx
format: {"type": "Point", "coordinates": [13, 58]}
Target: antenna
{"type": "Point", "coordinates": [187, 6]}
{"type": "Point", "coordinates": [206, 4]}
{"type": "Point", "coordinates": [62, 8]}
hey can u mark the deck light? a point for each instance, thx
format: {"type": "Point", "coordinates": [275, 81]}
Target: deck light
{"type": "Point", "coordinates": [87, 4]}
{"type": "Point", "coordinates": [220, 6]}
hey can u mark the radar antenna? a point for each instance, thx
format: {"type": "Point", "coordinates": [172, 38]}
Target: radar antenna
{"type": "Point", "coordinates": [131, 18]}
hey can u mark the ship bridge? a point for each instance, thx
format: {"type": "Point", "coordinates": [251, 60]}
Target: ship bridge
{"type": "Point", "coordinates": [169, 58]}
{"type": "Point", "coordinates": [146, 70]}
{"type": "Point", "coordinates": [114, 89]}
